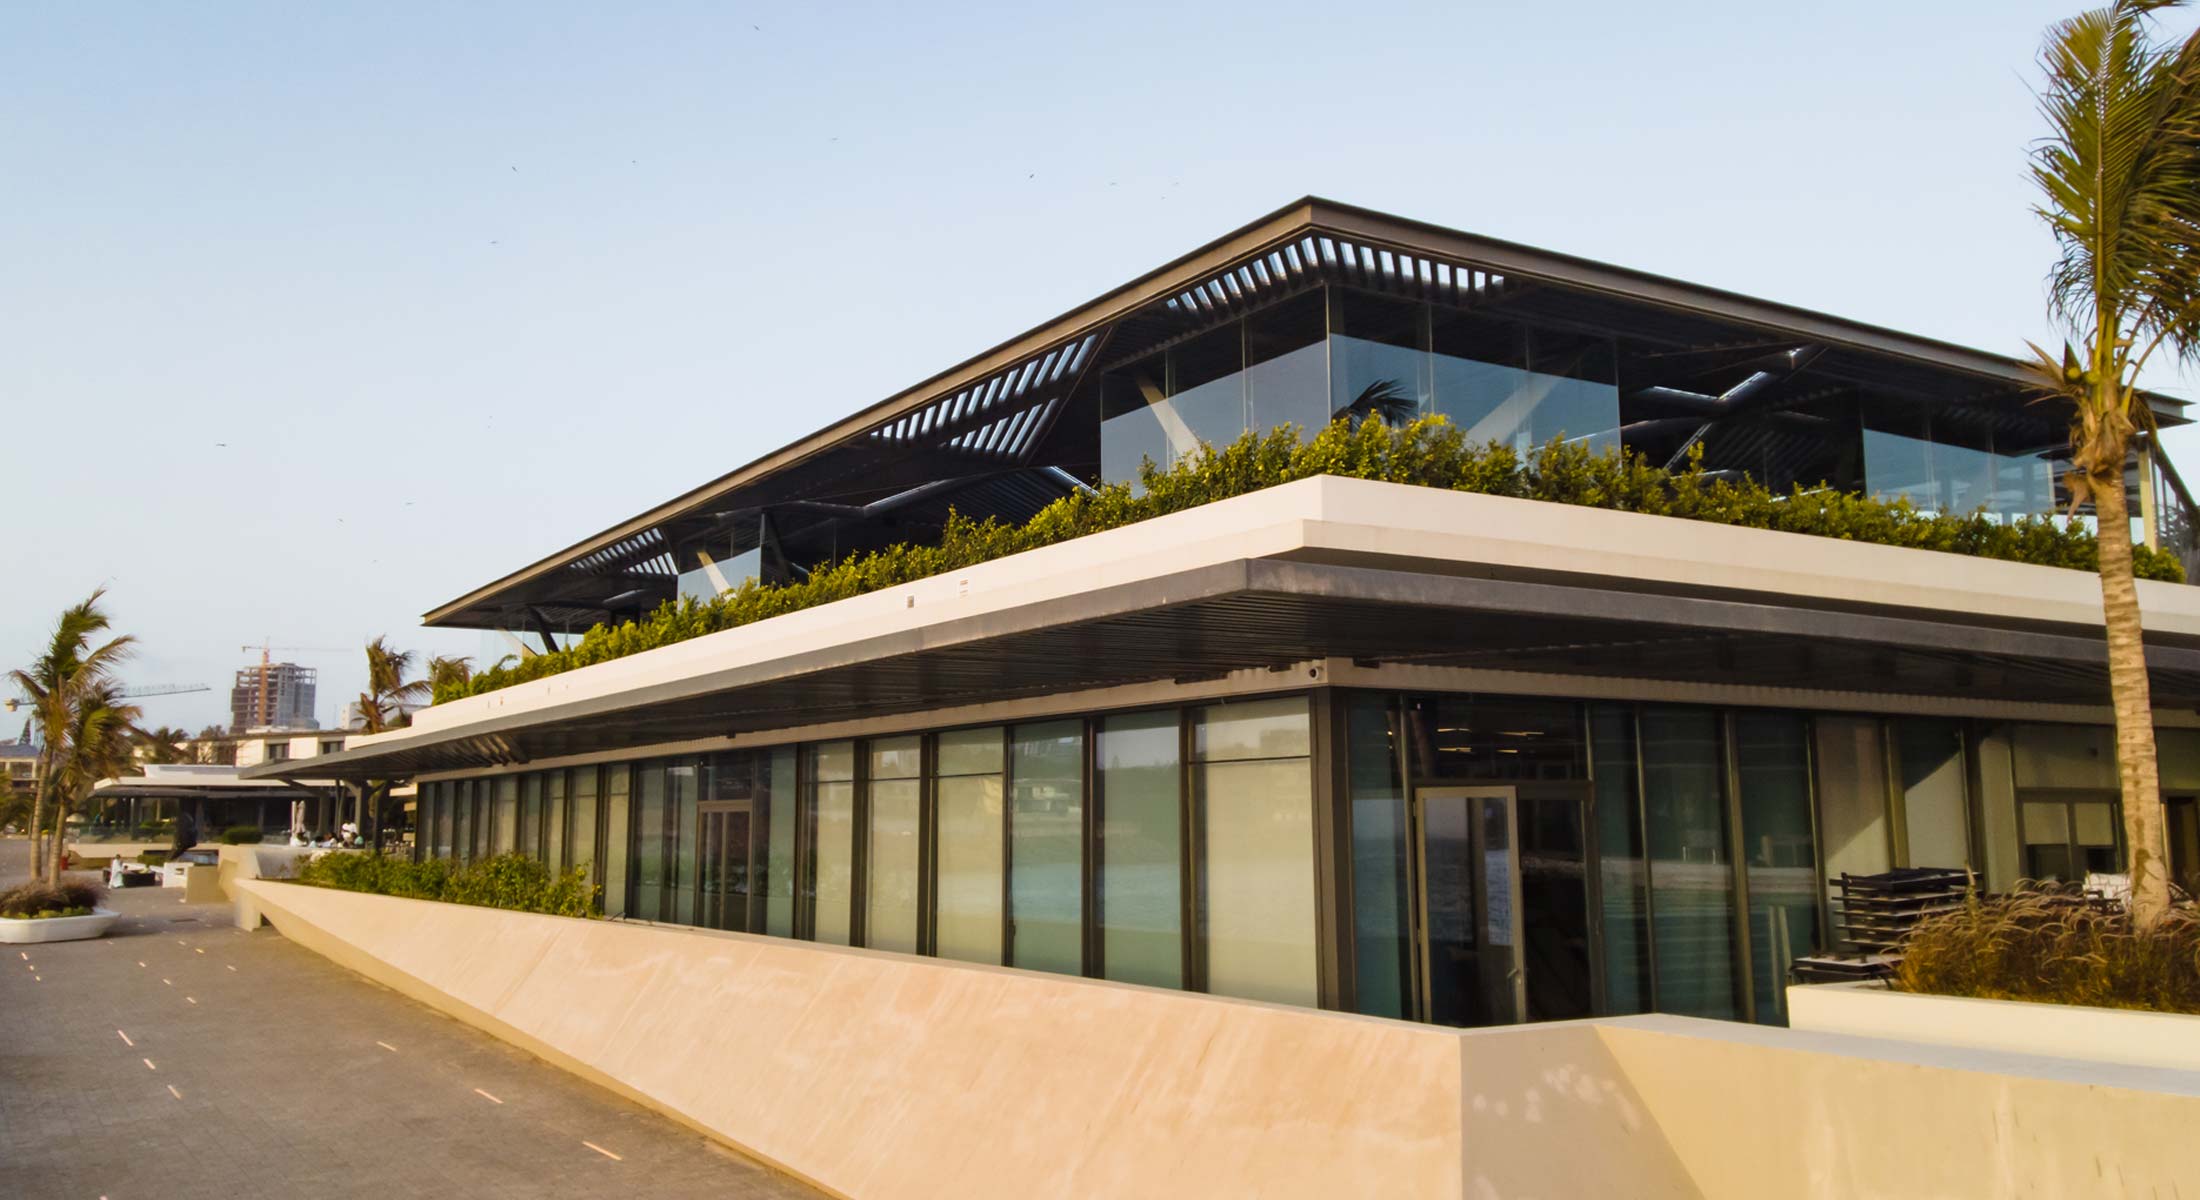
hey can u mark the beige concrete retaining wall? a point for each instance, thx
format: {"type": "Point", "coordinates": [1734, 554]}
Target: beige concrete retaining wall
{"type": "Point", "coordinates": [883, 1075]}
{"type": "Point", "coordinates": [2146, 1039]}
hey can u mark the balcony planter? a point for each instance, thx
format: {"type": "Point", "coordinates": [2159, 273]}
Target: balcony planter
{"type": "Point", "coordinates": [26, 930]}
{"type": "Point", "coordinates": [2109, 1035]}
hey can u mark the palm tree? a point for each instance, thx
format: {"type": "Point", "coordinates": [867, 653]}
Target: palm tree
{"type": "Point", "coordinates": [57, 683]}
{"type": "Point", "coordinates": [382, 705]}
{"type": "Point", "coordinates": [2120, 176]}
{"type": "Point", "coordinates": [164, 745]}
{"type": "Point", "coordinates": [102, 735]}
{"type": "Point", "coordinates": [382, 708]}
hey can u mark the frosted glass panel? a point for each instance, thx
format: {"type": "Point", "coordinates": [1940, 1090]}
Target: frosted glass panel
{"type": "Point", "coordinates": [972, 830]}
{"type": "Point", "coordinates": [890, 907]}
{"type": "Point", "coordinates": [1258, 822]}
{"type": "Point", "coordinates": [833, 807]}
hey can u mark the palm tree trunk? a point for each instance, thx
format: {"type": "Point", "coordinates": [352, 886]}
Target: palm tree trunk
{"type": "Point", "coordinates": [60, 836]}
{"type": "Point", "coordinates": [38, 817]}
{"type": "Point", "coordinates": [2144, 833]}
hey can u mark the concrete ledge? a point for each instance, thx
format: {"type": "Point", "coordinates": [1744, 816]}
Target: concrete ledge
{"type": "Point", "coordinates": [2107, 1035]}
{"type": "Point", "coordinates": [883, 1075]}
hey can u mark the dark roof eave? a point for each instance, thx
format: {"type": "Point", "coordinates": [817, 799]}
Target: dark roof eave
{"type": "Point", "coordinates": [1309, 214]}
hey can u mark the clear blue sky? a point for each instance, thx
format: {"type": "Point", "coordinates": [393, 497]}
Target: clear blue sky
{"type": "Point", "coordinates": [315, 316]}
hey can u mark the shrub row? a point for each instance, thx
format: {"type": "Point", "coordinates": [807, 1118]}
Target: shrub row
{"type": "Point", "coordinates": [38, 898]}
{"type": "Point", "coordinates": [242, 835]}
{"type": "Point", "coordinates": [512, 881]}
{"type": "Point", "coordinates": [2041, 942]}
{"type": "Point", "coordinates": [1430, 452]}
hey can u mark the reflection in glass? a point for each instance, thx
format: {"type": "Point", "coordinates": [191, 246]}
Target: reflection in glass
{"type": "Point", "coordinates": [1772, 759]}
{"type": "Point", "coordinates": [1257, 825]}
{"type": "Point", "coordinates": [970, 845]}
{"type": "Point", "coordinates": [1046, 852]}
{"type": "Point", "coordinates": [682, 785]}
{"type": "Point", "coordinates": [1140, 865]}
{"type": "Point", "coordinates": [1624, 881]}
{"type": "Point", "coordinates": [582, 845]}
{"type": "Point", "coordinates": [1691, 875]}
{"type": "Point", "coordinates": [530, 814]}
{"type": "Point", "coordinates": [891, 847]}
{"type": "Point", "coordinates": [647, 900]}
{"type": "Point", "coordinates": [553, 820]}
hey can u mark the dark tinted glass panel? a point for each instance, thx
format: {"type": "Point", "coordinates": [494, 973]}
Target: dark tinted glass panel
{"type": "Point", "coordinates": [1494, 738]}
{"type": "Point", "coordinates": [530, 815]}
{"type": "Point", "coordinates": [1771, 752]}
{"type": "Point", "coordinates": [1554, 904]}
{"type": "Point", "coordinates": [1381, 904]}
{"type": "Point", "coordinates": [1691, 872]}
{"type": "Point", "coordinates": [648, 886]}
{"type": "Point", "coordinates": [1623, 881]}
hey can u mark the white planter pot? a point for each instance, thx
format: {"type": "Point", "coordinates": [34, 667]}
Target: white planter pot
{"type": "Point", "coordinates": [2112, 1035]}
{"type": "Point", "coordinates": [56, 929]}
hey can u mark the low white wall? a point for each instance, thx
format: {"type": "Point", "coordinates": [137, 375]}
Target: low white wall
{"type": "Point", "coordinates": [884, 1075]}
{"type": "Point", "coordinates": [2109, 1035]}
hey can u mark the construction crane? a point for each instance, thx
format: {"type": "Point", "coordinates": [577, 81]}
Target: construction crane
{"type": "Point", "coordinates": [159, 689]}
{"type": "Point", "coordinates": [267, 650]}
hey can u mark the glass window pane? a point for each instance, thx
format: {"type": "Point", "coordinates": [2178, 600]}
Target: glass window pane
{"type": "Point", "coordinates": [970, 751]}
{"type": "Point", "coordinates": [1620, 870]}
{"type": "Point", "coordinates": [1378, 364]}
{"type": "Point", "coordinates": [897, 758]}
{"type": "Point", "coordinates": [775, 804]}
{"type": "Point", "coordinates": [647, 900]}
{"type": "Point", "coordinates": [507, 814]}
{"type": "Point", "coordinates": [554, 820]}
{"type": "Point", "coordinates": [833, 809]}
{"type": "Point", "coordinates": [1257, 821]}
{"type": "Point", "coordinates": [890, 911]}
{"type": "Point", "coordinates": [617, 817]}
{"type": "Point", "coordinates": [1773, 762]}
{"type": "Point", "coordinates": [683, 783]}
{"type": "Point", "coordinates": [1140, 859]}
{"type": "Point", "coordinates": [530, 814]}
{"type": "Point", "coordinates": [1254, 729]}
{"type": "Point", "coordinates": [971, 829]}
{"type": "Point", "coordinates": [1047, 831]}
{"type": "Point", "coordinates": [1931, 754]}
{"type": "Point", "coordinates": [581, 827]}
{"type": "Point", "coordinates": [1381, 906]}
{"type": "Point", "coordinates": [1137, 424]}
{"type": "Point", "coordinates": [1494, 739]}
{"type": "Point", "coordinates": [1691, 873]}
{"type": "Point", "coordinates": [1287, 364]}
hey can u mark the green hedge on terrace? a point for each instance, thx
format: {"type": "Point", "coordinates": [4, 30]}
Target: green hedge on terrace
{"type": "Point", "coordinates": [1430, 452]}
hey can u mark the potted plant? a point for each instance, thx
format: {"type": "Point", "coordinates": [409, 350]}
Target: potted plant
{"type": "Point", "coordinates": [67, 911]}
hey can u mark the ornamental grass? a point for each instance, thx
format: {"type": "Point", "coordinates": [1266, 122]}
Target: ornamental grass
{"type": "Point", "coordinates": [2047, 943]}
{"type": "Point", "coordinates": [1429, 452]}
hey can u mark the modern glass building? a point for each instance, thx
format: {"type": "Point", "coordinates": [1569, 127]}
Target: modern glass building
{"type": "Point", "coordinates": [1420, 754]}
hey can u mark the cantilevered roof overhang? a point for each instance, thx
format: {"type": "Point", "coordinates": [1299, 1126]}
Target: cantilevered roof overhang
{"type": "Point", "coordinates": [1333, 568]}
{"type": "Point", "coordinates": [989, 416]}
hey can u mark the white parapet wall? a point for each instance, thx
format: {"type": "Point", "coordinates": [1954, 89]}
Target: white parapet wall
{"type": "Point", "coordinates": [882, 1075]}
{"type": "Point", "coordinates": [2118, 1035]}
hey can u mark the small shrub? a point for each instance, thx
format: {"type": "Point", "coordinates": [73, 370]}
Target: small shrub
{"type": "Point", "coordinates": [38, 898]}
{"type": "Point", "coordinates": [512, 881]}
{"type": "Point", "coordinates": [2045, 943]}
{"type": "Point", "coordinates": [241, 835]}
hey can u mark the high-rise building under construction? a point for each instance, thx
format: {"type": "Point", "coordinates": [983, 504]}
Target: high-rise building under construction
{"type": "Point", "coordinates": [273, 694]}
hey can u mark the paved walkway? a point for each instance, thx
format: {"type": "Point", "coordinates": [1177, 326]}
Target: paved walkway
{"type": "Point", "coordinates": [179, 1057]}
